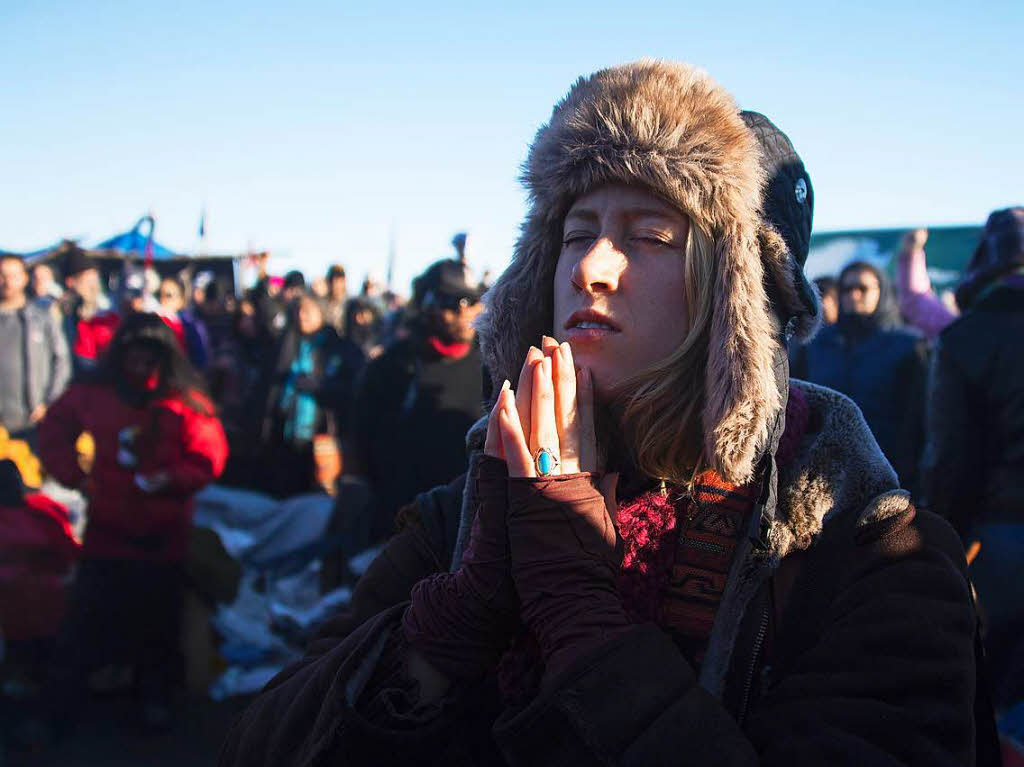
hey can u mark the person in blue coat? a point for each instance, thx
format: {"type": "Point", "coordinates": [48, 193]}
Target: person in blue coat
{"type": "Point", "coordinates": [881, 366]}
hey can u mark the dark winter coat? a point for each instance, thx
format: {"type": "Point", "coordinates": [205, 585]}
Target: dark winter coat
{"type": "Point", "coordinates": [846, 634]}
{"type": "Point", "coordinates": [884, 370]}
{"type": "Point", "coordinates": [410, 414]}
{"type": "Point", "coordinates": [975, 460]}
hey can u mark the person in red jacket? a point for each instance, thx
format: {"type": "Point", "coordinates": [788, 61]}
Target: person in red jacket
{"type": "Point", "coordinates": [158, 441]}
{"type": "Point", "coordinates": [37, 552]}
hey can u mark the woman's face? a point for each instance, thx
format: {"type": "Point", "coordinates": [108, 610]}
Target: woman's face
{"type": "Point", "coordinates": [619, 281]}
{"type": "Point", "coordinates": [310, 317]}
{"type": "Point", "coordinates": [170, 296]}
{"type": "Point", "coordinates": [140, 365]}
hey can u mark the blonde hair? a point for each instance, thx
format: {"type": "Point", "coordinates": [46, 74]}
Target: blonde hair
{"type": "Point", "coordinates": [661, 414]}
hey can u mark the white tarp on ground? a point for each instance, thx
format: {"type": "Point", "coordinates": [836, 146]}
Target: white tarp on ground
{"type": "Point", "coordinates": [258, 530]}
{"type": "Point", "coordinates": [279, 599]}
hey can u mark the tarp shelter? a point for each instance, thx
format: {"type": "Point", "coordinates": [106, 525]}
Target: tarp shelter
{"type": "Point", "coordinates": [135, 243]}
{"type": "Point", "coordinates": [948, 249]}
{"type": "Point", "coordinates": [112, 254]}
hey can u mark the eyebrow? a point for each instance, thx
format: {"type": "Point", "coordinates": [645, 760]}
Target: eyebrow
{"type": "Point", "coordinates": [588, 214]}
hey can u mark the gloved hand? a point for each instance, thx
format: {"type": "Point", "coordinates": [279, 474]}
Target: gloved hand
{"type": "Point", "coordinates": [462, 622]}
{"type": "Point", "coordinates": [566, 556]}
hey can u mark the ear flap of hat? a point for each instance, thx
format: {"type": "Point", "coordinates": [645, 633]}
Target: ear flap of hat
{"type": "Point", "coordinates": [742, 397]}
{"type": "Point", "coordinates": [792, 294]}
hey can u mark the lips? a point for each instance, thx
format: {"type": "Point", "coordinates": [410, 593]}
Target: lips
{"type": "Point", "coordinates": [591, 319]}
{"type": "Point", "coordinates": [589, 325]}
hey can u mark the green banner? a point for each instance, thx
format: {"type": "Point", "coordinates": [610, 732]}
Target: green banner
{"type": "Point", "coordinates": [948, 249]}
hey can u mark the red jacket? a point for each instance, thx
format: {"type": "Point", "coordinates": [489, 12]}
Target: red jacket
{"type": "Point", "coordinates": [93, 336]}
{"type": "Point", "coordinates": [37, 550]}
{"type": "Point", "coordinates": [165, 436]}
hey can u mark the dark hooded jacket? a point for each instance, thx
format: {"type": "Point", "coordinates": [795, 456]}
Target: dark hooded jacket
{"type": "Point", "coordinates": [845, 632]}
{"type": "Point", "coordinates": [881, 367]}
{"type": "Point", "coordinates": [975, 460]}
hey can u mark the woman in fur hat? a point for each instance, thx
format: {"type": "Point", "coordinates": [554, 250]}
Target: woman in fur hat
{"type": "Point", "coordinates": [664, 551]}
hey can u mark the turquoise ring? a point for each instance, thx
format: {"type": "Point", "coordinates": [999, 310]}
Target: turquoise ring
{"type": "Point", "coordinates": [545, 462]}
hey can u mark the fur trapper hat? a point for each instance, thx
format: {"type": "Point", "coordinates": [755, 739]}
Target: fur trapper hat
{"type": "Point", "coordinates": [670, 128]}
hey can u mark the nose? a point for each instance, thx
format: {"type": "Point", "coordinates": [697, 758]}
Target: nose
{"type": "Point", "coordinates": [600, 269]}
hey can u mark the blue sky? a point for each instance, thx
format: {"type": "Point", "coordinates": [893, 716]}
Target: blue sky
{"type": "Point", "coordinates": [316, 129]}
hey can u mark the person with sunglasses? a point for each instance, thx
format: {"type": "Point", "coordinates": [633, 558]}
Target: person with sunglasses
{"type": "Point", "coordinates": [187, 328]}
{"type": "Point", "coordinates": [424, 389]}
{"type": "Point", "coordinates": [878, 363]}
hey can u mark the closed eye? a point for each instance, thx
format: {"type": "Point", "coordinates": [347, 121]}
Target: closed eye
{"type": "Point", "coordinates": [657, 241]}
{"type": "Point", "coordinates": [576, 239]}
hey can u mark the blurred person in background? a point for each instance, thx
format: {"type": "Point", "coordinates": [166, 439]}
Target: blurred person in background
{"type": "Point", "coordinates": [363, 327]}
{"type": "Point", "coordinates": [87, 321]}
{"type": "Point", "coordinates": [95, 335]}
{"type": "Point", "coordinates": [45, 286]}
{"type": "Point", "coordinates": [216, 313]}
{"type": "Point", "coordinates": [828, 289]}
{"type": "Point", "coordinates": [919, 305]}
{"type": "Point", "coordinates": [158, 441]}
{"type": "Point", "coordinates": [187, 328]}
{"type": "Point", "coordinates": [337, 296]}
{"type": "Point", "coordinates": [974, 465]}
{"type": "Point", "coordinates": [293, 288]}
{"type": "Point", "coordinates": [392, 325]}
{"type": "Point", "coordinates": [35, 365]}
{"type": "Point", "coordinates": [880, 366]}
{"type": "Point", "coordinates": [271, 310]}
{"type": "Point", "coordinates": [373, 288]}
{"type": "Point", "coordinates": [302, 390]}
{"type": "Point", "coordinates": [423, 390]}
{"type": "Point", "coordinates": [237, 384]}
{"type": "Point", "coordinates": [38, 550]}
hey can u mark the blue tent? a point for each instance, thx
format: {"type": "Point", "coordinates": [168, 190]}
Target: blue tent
{"type": "Point", "coordinates": [134, 242]}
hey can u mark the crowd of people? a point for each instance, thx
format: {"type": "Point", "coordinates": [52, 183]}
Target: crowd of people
{"type": "Point", "coordinates": [690, 521]}
{"type": "Point", "coordinates": [284, 389]}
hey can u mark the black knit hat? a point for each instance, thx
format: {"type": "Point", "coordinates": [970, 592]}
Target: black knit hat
{"type": "Point", "coordinates": [77, 261]}
{"type": "Point", "coordinates": [1001, 250]}
{"type": "Point", "coordinates": [294, 279]}
{"type": "Point", "coordinates": [788, 201]}
{"type": "Point", "coordinates": [448, 278]}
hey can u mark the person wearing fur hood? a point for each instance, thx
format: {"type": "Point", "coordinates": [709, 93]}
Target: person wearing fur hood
{"type": "Point", "coordinates": [664, 551]}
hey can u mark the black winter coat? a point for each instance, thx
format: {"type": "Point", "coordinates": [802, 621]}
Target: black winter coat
{"type": "Point", "coordinates": [975, 459]}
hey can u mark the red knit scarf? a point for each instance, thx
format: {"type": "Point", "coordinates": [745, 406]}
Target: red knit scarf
{"type": "Point", "coordinates": [456, 350]}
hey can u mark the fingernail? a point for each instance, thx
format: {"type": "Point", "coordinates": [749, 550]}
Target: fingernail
{"type": "Point", "coordinates": [564, 346]}
{"type": "Point", "coordinates": [507, 385]}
